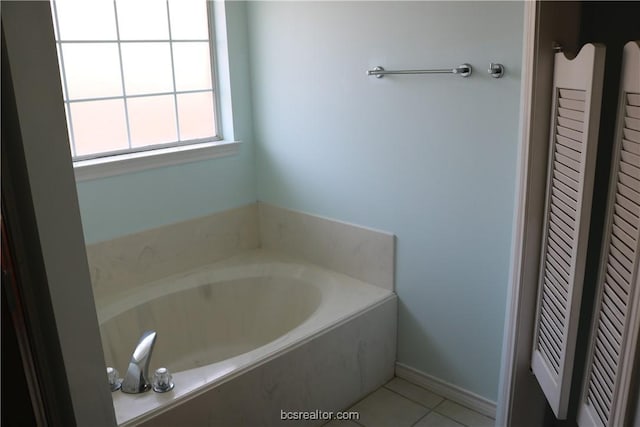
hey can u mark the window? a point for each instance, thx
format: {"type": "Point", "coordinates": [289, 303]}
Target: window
{"type": "Point", "coordinates": [136, 75]}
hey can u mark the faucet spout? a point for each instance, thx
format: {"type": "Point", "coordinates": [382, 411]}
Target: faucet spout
{"type": "Point", "coordinates": [137, 378]}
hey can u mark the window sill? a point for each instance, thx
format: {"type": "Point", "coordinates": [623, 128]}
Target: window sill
{"type": "Point", "coordinates": [86, 170]}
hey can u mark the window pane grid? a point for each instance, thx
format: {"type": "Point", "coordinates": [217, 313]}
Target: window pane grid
{"type": "Point", "coordinates": [124, 89]}
{"type": "Point", "coordinates": [142, 95]}
{"type": "Point", "coordinates": [144, 148]}
{"type": "Point", "coordinates": [204, 116]}
{"type": "Point", "coordinates": [173, 74]}
{"type": "Point", "coordinates": [63, 77]}
{"type": "Point", "coordinates": [131, 41]}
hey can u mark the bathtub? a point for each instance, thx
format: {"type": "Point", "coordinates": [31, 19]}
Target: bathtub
{"type": "Point", "coordinates": [249, 337]}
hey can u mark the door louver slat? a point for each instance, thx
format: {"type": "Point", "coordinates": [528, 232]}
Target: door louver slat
{"type": "Point", "coordinates": [569, 143]}
{"type": "Point", "coordinates": [564, 188]}
{"type": "Point", "coordinates": [557, 291]}
{"type": "Point", "coordinates": [624, 225]}
{"type": "Point", "coordinates": [573, 140]}
{"type": "Point", "coordinates": [572, 105]}
{"type": "Point", "coordinates": [633, 111]}
{"type": "Point", "coordinates": [552, 330]}
{"type": "Point", "coordinates": [631, 159]}
{"type": "Point", "coordinates": [566, 249]}
{"type": "Point", "coordinates": [621, 247]}
{"type": "Point", "coordinates": [567, 239]}
{"type": "Point", "coordinates": [622, 241]}
{"type": "Point", "coordinates": [619, 271]}
{"type": "Point", "coordinates": [624, 214]}
{"type": "Point", "coordinates": [604, 371]}
{"type": "Point", "coordinates": [627, 192]}
{"type": "Point", "coordinates": [568, 152]}
{"type": "Point", "coordinates": [571, 177]}
{"type": "Point", "coordinates": [631, 123]}
{"type": "Point", "coordinates": [596, 406]}
{"type": "Point", "coordinates": [622, 260]}
{"type": "Point", "coordinates": [571, 114]}
{"type": "Point", "coordinates": [631, 147]}
{"type": "Point", "coordinates": [576, 125]}
{"type": "Point", "coordinates": [629, 169]}
{"type": "Point", "coordinates": [617, 289]}
{"type": "Point", "coordinates": [611, 322]}
{"type": "Point", "coordinates": [605, 346]}
{"type": "Point", "coordinates": [616, 319]}
{"type": "Point", "coordinates": [572, 94]}
{"type": "Point", "coordinates": [632, 135]}
{"type": "Point", "coordinates": [569, 133]}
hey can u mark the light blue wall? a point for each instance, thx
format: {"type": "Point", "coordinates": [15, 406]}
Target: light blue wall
{"type": "Point", "coordinates": [429, 158]}
{"type": "Point", "coordinates": [119, 205]}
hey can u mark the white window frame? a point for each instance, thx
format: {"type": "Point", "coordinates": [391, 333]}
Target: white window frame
{"type": "Point", "coordinates": [112, 163]}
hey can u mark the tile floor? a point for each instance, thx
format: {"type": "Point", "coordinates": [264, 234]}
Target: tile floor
{"type": "Point", "coordinates": [400, 403]}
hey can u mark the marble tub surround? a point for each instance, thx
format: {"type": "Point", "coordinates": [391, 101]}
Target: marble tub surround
{"type": "Point", "coordinates": [119, 264]}
{"type": "Point", "coordinates": [315, 328]}
{"type": "Point", "coordinates": [363, 253]}
{"type": "Point", "coordinates": [258, 307]}
{"type": "Point", "coordinates": [328, 373]}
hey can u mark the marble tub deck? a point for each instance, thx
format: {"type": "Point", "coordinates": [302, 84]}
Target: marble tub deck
{"type": "Point", "coordinates": [400, 403]}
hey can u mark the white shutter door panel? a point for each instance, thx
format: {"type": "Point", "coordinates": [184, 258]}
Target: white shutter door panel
{"type": "Point", "coordinates": [616, 320]}
{"type": "Point", "coordinates": [572, 150]}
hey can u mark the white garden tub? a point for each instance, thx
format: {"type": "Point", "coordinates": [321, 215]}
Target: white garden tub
{"type": "Point", "coordinates": [219, 321]}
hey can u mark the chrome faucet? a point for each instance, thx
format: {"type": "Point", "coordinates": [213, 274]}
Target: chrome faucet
{"type": "Point", "coordinates": [137, 378]}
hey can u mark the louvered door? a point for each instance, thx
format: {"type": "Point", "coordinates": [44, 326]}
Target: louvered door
{"type": "Point", "coordinates": [616, 321]}
{"type": "Point", "coordinates": [572, 150]}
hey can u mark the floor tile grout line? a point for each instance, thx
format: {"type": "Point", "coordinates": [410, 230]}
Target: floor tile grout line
{"type": "Point", "coordinates": [440, 404]}
{"type": "Point", "coordinates": [467, 408]}
{"type": "Point", "coordinates": [452, 419]}
{"type": "Point", "coordinates": [418, 420]}
{"type": "Point", "coordinates": [415, 401]}
{"type": "Point", "coordinates": [358, 401]}
{"type": "Point", "coordinates": [399, 395]}
{"type": "Point", "coordinates": [412, 401]}
{"type": "Point", "coordinates": [444, 399]}
{"type": "Point", "coordinates": [415, 385]}
{"type": "Point", "coordinates": [353, 421]}
{"type": "Point", "coordinates": [429, 410]}
{"type": "Point", "coordinates": [435, 407]}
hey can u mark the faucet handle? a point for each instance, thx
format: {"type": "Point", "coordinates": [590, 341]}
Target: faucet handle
{"type": "Point", "coordinates": [162, 381]}
{"type": "Point", "coordinates": [496, 70]}
{"type": "Point", "coordinates": [115, 382]}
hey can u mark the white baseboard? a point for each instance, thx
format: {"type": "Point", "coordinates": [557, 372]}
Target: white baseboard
{"type": "Point", "coordinates": [446, 390]}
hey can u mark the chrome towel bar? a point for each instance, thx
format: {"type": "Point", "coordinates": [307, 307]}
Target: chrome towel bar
{"type": "Point", "coordinates": [463, 70]}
